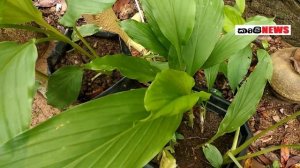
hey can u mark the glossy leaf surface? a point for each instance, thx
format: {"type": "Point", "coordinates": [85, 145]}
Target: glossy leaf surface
{"type": "Point", "coordinates": [238, 66]}
{"type": "Point", "coordinates": [143, 34]}
{"type": "Point", "coordinates": [153, 24]}
{"type": "Point", "coordinates": [248, 96]}
{"type": "Point", "coordinates": [18, 12]}
{"type": "Point", "coordinates": [176, 20]}
{"type": "Point", "coordinates": [64, 86]}
{"type": "Point", "coordinates": [106, 132]}
{"type": "Point", "coordinates": [230, 44]}
{"type": "Point", "coordinates": [227, 46]}
{"type": "Point", "coordinates": [206, 33]}
{"type": "Point", "coordinates": [17, 74]}
{"type": "Point", "coordinates": [131, 67]}
{"type": "Point", "coordinates": [232, 17]}
{"type": "Point", "coordinates": [171, 94]}
{"type": "Point", "coordinates": [211, 75]}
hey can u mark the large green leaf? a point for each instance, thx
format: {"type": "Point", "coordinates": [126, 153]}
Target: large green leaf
{"type": "Point", "coordinates": [17, 83]}
{"type": "Point", "coordinates": [227, 46]}
{"type": "Point", "coordinates": [208, 26]}
{"type": "Point", "coordinates": [232, 17]}
{"type": "Point", "coordinates": [176, 20]}
{"type": "Point", "coordinates": [211, 74]}
{"type": "Point", "coordinates": [64, 86]}
{"type": "Point", "coordinates": [171, 93]}
{"type": "Point", "coordinates": [238, 66]}
{"type": "Point", "coordinates": [248, 96]}
{"type": "Point", "coordinates": [78, 7]}
{"type": "Point", "coordinates": [131, 67]}
{"type": "Point", "coordinates": [18, 12]}
{"type": "Point", "coordinates": [230, 43]}
{"type": "Point", "coordinates": [106, 132]}
{"type": "Point", "coordinates": [143, 34]}
{"type": "Point", "coordinates": [153, 24]}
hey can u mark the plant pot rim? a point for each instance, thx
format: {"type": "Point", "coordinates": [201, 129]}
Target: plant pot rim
{"type": "Point", "coordinates": [61, 48]}
{"type": "Point", "coordinates": [219, 105]}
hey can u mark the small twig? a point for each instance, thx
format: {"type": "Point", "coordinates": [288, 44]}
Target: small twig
{"type": "Point", "coordinates": [96, 76]}
{"type": "Point", "coordinates": [140, 11]}
{"type": "Point", "coordinates": [190, 138]}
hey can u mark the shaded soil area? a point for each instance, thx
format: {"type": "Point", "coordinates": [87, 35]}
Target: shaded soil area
{"type": "Point", "coordinates": [186, 153]}
{"type": "Point", "coordinates": [270, 111]}
{"type": "Point", "coordinates": [93, 82]}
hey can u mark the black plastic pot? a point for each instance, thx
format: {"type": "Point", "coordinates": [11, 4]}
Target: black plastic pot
{"type": "Point", "coordinates": [219, 105]}
{"type": "Point", "coordinates": [215, 104]}
{"type": "Point", "coordinates": [61, 48]}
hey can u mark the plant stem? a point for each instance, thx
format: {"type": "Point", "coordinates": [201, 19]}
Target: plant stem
{"type": "Point", "coordinates": [24, 27]}
{"type": "Point", "coordinates": [249, 141]}
{"type": "Point", "coordinates": [264, 151]}
{"type": "Point", "coordinates": [42, 40]}
{"type": "Point", "coordinates": [236, 139]}
{"type": "Point", "coordinates": [59, 36]}
{"type": "Point", "coordinates": [216, 136]}
{"type": "Point", "coordinates": [41, 77]}
{"type": "Point", "coordinates": [237, 163]}
{"type": "Point", "coordinates": [85, 42]}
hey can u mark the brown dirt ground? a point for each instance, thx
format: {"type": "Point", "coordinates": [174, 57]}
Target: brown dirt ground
{"type": "Point", "coordinates": [92, 84]}
{"type": "Point", "coordinates": [186, 154]}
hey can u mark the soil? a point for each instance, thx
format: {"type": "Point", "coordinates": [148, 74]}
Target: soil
{"type": "Point", "coordinates": [186, 154]}
{"type": "Point", "coordinates": [52, 17]}
{"type": "Point", "coordinates": [93, 83]}
{"type": "Point", "coordinates": [41, 111]}
{"type": "Point", "coordinates": [271, 110]}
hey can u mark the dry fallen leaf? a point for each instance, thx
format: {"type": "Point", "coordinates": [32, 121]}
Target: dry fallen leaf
{"type": "Point", "coordinates": [293, 161]}
{"type": "Point", "coordinates": [284, 155]}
